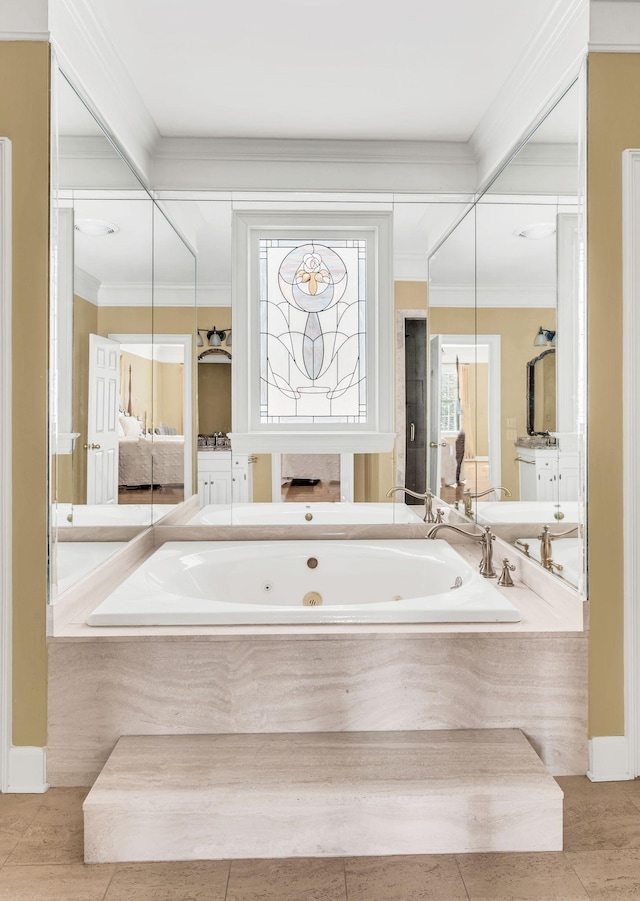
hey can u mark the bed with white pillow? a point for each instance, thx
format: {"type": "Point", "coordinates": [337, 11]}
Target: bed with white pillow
{"type": "Point", "coordinates": [148, 459]}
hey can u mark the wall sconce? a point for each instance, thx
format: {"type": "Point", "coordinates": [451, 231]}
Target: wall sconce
{"type": "Point", "coordinates": [215, 337]}
{"type": "Point", "coordinates": [217, 344]}
{"type": "Point", "coordinates": [545, 336]}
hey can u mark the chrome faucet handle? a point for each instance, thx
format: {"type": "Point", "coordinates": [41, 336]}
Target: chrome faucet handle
{"type": "Point", "coordinates": [524, 545]}
{"type": "Point", "coordinates": [439, 516]}
{"type": "Point", "coordinates": [505, 580]}
{"type": "Point", "coordinates": [427, 497]}
{"type": "Point", "coordinates": [420, 495]}
{"type": "Point", "coordinates": [486, 539]}
{"type": "Point", "coordinates": [502, 488]}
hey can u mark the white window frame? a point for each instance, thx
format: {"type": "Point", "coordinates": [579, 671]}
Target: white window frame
{"type": "Point", "coordinates": [249, 435]}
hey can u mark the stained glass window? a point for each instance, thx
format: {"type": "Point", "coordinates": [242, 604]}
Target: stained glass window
{"type": "Point", "coordinates": [312, 331]}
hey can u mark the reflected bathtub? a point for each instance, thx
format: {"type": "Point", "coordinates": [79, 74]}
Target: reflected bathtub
{"type": "Point", "coordinates": [74, 559]}
{"type": "Point", "coordinates": [526, 511]}
{"type": "Point", "coordinates": [110, 514]}
{"type": "Point", "coordinates": [304, 582]}
{"type": "Point", "coordinates": [319, 514]}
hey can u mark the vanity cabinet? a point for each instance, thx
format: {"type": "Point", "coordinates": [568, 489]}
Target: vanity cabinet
{"type": "Point", "coordinates": [547, 474]}
{"type": "Point", "coordinates": [224, 478]}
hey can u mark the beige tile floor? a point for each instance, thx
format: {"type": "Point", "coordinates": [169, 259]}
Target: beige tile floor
{"type": "Point", "coordinates": [41, 860]}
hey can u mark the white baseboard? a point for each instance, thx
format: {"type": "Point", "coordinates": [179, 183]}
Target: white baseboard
{"type": "Point", "coordinates": [609, 759]}
{"type": "Point", "coordinates": [27, 771]}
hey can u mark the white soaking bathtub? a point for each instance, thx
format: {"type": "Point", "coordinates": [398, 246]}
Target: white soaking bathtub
{"type": "Point", "coordinates": [319, 514]}
{"type": "Point", "coordinates": [188, 583]}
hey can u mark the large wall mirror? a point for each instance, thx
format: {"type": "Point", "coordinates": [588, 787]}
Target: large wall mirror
{"type": "Point", "coordinates": [122, 350]}
{"type": "Point", "coordinates": [311, 488]}
{"type": "Point", "coordinates": [488, 339]}
{"type": "Point", "coordinates": [507, 351]}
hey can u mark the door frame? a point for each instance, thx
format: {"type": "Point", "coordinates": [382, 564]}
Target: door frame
{"type": "Point", "coordinates": [187, 401]}
{"type": "Point", "coordinates": [618, 757]}
{"type": "Point", "coordinates": [495, 399]}
{"type": "Point", "coordinates": [400, 392]}
{"type": "Point", "coordinates": [6, 665]}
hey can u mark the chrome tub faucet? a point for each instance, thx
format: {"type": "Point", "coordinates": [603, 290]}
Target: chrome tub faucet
{"type": "Point", "coordinates": [546, 551]}
{"type": "Point", "coordinates": [486, 539]}
{"type": "Point", "coordinates": [427, 497]}
{"type": "Point", "coordinates": [467, 497]}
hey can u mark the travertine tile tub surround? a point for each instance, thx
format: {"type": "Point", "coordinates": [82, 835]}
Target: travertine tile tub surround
{"type": "Point", "coordinates": [182, 797]}
{"type": "Point", "coordinates": [104, 683]}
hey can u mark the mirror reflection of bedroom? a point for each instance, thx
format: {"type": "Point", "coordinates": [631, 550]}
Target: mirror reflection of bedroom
{"type": "Point", "coordinates": [151, 423]}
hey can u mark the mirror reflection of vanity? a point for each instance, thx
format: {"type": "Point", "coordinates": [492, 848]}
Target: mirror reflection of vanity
{"type": "Point", "coordinates": [508, 275]}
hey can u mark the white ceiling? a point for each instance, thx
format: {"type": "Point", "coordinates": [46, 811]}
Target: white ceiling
{"type": "Point", "coordinates": [341, 69]}
{"type": "Point", "coordinates": [333, 69]}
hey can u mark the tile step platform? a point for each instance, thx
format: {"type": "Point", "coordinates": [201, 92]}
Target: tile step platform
{"type": "Point", "coordinates": [327, 794]}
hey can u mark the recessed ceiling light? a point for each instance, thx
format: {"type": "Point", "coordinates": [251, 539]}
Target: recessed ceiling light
{"type": "Point", "coordinates": [536, 232]}
{"type": "Point", "coordinates": [97, 228]}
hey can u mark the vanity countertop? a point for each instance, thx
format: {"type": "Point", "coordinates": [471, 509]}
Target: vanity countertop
{"type": "Point", "coordinates": [536, 441]}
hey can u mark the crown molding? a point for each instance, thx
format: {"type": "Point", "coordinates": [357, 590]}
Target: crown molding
{"type": "Point", "coordinates": [82, 147]}
{"type": "Point", "coordinates": [228, 164]}
{"type": "Point", "coordinates": [314, 150]}
{"type": "Point", "coordinates": [25, 36]}
{"type": "Point", "coordinates": [545, 70]}
{"type": "Point", "coordinates": [90, 61]}
{"type": "Point", "coordinates": [24, 20]}
{"type": "Point", "coordinates": [490, 296]}
{"type": "Point", "coordinates": [141, 294]}
{"type": "Point", "coordinates": [86, 285]}
{"type": "Point", "coordinates": [614, 27]}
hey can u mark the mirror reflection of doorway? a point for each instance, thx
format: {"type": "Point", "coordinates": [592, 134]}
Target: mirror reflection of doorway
{"type": "Point", "coordinates": [155, 443]}
{"type": "Point", "coordinates": [310, 477]}
{"type": "Point", "coordinates": [415, 363]}
{"type": "Point", "coordinates": [465, 423]}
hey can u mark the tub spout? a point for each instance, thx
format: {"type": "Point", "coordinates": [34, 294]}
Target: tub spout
{"type": "Point", "coordinates": [486, 539]}
{"type": "Point", "coordinates": [427, 497]}
{"type": "Point", "coordinates": [467, 497]}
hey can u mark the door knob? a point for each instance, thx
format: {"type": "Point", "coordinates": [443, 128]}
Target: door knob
{"type": "Point", "coordinates": [91, 447]}
{"type": "Point", "coordinates": [437, 444]}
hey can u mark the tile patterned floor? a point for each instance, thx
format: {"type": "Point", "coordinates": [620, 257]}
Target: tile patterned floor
{"type": "Point", "coordinates": [41, 860]}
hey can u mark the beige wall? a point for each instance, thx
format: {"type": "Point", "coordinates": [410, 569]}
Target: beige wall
{"type": "Point", "coordinates": [614, 126]}
{"type": "Point", "coordinates": [517, 328]}
{"type": "Point", "coordinates": [156, 390]}
{"type": "Point", "coordinates": [479, 392]}
{"type": "Point", "coordinates": [214, 398]}
{"type": "Point", "coordinates": [24, 119]}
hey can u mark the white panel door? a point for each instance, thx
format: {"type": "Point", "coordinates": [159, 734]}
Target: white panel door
{"type": "Point", "coordinates": [102, 432]}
